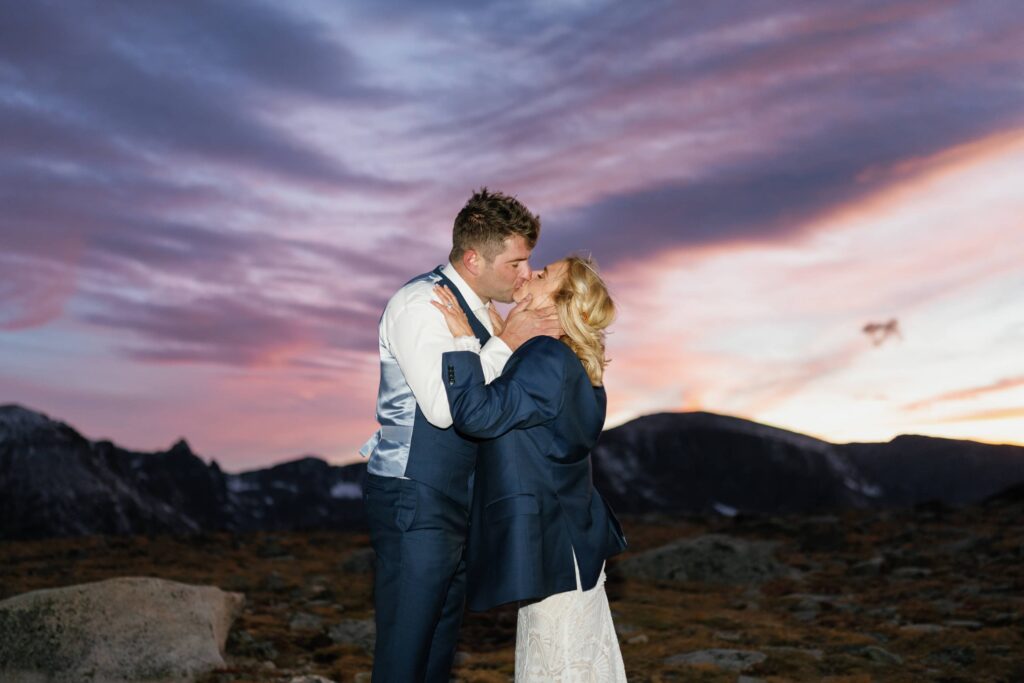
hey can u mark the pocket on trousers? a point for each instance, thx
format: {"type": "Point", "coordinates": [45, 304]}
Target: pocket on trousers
{"type": "Point", "coordinates": [509, 506]}
{"type": "Point", "coordinates": [405, 508]}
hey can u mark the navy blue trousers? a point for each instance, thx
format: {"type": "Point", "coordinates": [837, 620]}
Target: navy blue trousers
{"type": "Point", "coordinates": [419, 536]}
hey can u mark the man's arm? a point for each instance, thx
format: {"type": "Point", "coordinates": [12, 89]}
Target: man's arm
{"type": "Point", "coordinates": [417, 336]}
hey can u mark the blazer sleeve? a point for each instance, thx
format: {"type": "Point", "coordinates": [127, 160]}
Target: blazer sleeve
{"type": "Point", "coordinates": [529, 393]}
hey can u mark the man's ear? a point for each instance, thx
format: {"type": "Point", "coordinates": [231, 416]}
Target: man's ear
{"type": "Point", "coordinates": [473, 261]}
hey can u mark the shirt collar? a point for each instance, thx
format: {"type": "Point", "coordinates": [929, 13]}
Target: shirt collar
{"type": "Point", "coordinates": [467, 292]}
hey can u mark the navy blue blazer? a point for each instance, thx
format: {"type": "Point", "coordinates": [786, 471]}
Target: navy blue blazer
{"type": "Point", "coordinates": [534, 502]}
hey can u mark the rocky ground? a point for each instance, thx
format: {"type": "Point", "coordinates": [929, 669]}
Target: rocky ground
{"type": "Point", "coordinates": [932, 594]}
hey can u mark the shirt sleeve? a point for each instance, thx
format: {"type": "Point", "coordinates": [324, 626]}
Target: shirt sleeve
{"type": "Point", "coordinates": [417, 336]}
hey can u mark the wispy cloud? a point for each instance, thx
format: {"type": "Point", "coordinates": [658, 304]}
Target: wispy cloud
{"type": "Point", "coordinates": [219, 188]}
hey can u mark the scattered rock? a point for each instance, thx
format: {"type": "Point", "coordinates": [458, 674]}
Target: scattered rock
{"type": "Point", "coordinates": [872, 567]}
{"type": "Point", "coordinates": [733, 660]}
{"type": "Point", "coordinates": [461, 658]}
{"type": "Point", "coordinates": [961, 656]}
{"type": "Point", "coordinates": [713, 558]}
{"type": "Point", "coordinates": [122, 629]}
{"type": "Point", "coordinates": [812, 652]}
{"type": "Point", "coordinates": [362, 677]}
{"type": "Point", "coordinates": [965, 623]}
{"type": "Point", "coordinates": [922, 628]}
{"type": "Point", "coordinates": [361, 632]}
{"type": "Point", "coordinates": [879, 655]}
{"type": "Point", "coordinates": [639, 639]}
{"type": "Point", "coordinates": [303, 621]}
{"type": "Point", "coordinates": [310, 679]}
{"type": "Point", "coordinates": [731, 636]}
{"type": "Point", "coordinates": [912, 573]}
{"type": "Point", "coordinates": [275, 582]}
{"type": "Point", "coordinates": [243, 643]}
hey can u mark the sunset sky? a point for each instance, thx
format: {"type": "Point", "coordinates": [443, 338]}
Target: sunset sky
{"type": "Point", "coordinates": [205, 205]}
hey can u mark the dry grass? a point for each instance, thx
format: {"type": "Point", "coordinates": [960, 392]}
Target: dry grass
{"type": "Point", "coordinates": [972, 590]}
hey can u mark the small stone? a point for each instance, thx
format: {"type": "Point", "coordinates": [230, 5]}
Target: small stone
{"type": "Point", "coordinates": [814, 653]}
{"type": "Point", "coordinates": [881, 655]}
{"type": "Point", "coordinates": [731, 636]}
{"type": "Point", "coordinates": [912, 573]}
{"type": "Point", "coordinates": [872, 567]}
{"type": "Point", "coordinates": [965, 623]}
{"type": "Point", "coordinates": [733, 660]}
{"type": "Point", "coordinates": [310, 679]}
{"type": "Point", "coordinates": [362, 677]}
{"type": "Point", "coordinates": [354, 631]}
{"type": "Point", "coordinates": [922, 628]}
{"type": "Point", "coordinates": [639, 639]}
{"type": "Point", "coordinates": [303, 621]}
{"type": "Point", "coordinates": [461, 658]}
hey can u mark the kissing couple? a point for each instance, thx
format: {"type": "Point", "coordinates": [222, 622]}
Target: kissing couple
{"type": "Point", "coordinates": [479, 487]}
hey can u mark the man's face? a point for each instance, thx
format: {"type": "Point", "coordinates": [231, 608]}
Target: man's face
{"type": "Point", "coordinates": [507, 272]}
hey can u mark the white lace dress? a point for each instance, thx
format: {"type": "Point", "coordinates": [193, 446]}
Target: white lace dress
{"type": "Point", "coordinates": [569, 638]}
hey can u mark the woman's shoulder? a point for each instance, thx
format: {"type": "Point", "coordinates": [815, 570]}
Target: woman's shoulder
{"type": "Point", "coordinates": [547, 347]}
{"type": "Point", "coordinates": [548, 355]}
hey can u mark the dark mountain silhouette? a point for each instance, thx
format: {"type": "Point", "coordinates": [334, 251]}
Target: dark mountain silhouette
{"type": "Point", "coordinates": [55, 482]}
{"type": "Point", "coordinates": [702, 462]}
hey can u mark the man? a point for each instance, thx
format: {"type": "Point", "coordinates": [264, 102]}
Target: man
{"type": "Point", "coordinates": [418, 483]}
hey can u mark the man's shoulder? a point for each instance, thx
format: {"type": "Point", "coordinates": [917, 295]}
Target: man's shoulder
{"type": "Point", "coordinates": [418, 291]}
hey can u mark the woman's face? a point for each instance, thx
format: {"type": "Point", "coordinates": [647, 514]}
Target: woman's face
{"type": "Point", "coordinates": [542, 285]}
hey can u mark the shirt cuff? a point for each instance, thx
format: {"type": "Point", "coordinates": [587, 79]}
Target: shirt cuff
{"type": "Point", "coordinates": [467, 343]}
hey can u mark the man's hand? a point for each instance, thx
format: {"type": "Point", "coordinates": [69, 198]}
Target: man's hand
{"type": "Point", "coordinates": [524, 323]}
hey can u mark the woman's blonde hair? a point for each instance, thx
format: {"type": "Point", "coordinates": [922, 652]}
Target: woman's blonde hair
{"type": "Point", "coordinates": [585, 309]}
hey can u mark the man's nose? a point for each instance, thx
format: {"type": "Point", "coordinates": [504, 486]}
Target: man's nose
{"type": "Point", "coordinates": [527, 273]}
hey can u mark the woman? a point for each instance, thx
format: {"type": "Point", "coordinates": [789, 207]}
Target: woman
{"type": "Point", "coordinates": [539, 532]}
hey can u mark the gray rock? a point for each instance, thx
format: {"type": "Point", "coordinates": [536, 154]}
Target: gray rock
{"type": "Point", "coordinates": [962, 656]}
{"type": "Point", "coordinates": [912, 573]}
{"type": "Point", "coordinates": [880, 655]}
{"type": "Point", "coordinates": [872, 567]}
{"type": "Point", "coordinates": [639, 639]}
{"type": "Point", "coordinates": [242, 643]}
{"type": "Point", "coordinates": [812, 652]}
{"type": "Point", "coordinates": [922, 628]}
{"type": "Point", "coordinates": [119, 630]}
{"type": "Point", "coordinates": [362, 677]}
{"type": "Point", "coordinates": [354, 632]}
{"type": "Point", "coordinates": [310, 679]}
{"type": "Point", "coordinates": [303, 621]}
{"type": "Point", "coordinates": [733, 660]}
{"type": "Point", "coordinates": [713, 558]}
{"type": "Point", "coordinates": [965, 623]}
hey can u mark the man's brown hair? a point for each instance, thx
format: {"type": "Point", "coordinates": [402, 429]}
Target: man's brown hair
{"type": "Point", "coordinates": [487, 220]}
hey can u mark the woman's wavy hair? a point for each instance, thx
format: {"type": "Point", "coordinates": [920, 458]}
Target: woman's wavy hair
{"type": "Point", "coordinates": [585, 309]}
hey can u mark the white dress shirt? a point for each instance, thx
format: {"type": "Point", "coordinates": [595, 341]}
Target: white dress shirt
{"type": "Point", "coordinates": [415, 334]}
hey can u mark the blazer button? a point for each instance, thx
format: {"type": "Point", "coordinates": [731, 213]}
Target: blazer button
{"type": "Point", "coordinates": [451, 375]}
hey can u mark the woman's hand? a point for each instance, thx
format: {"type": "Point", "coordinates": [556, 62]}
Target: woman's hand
{"type": "Point", "coordinates": [458, 323]}
{"type": "Point", "coordinates": [497, 322]}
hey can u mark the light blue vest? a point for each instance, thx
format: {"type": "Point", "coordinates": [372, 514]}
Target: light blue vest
{"type": "Point", "coordinates": [406, 443]}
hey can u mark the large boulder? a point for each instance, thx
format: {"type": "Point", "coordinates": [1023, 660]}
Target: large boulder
{"type": "Point", "coordinates": [712, 558]}
{"type": "Point", "coordinates": [120, 630]}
